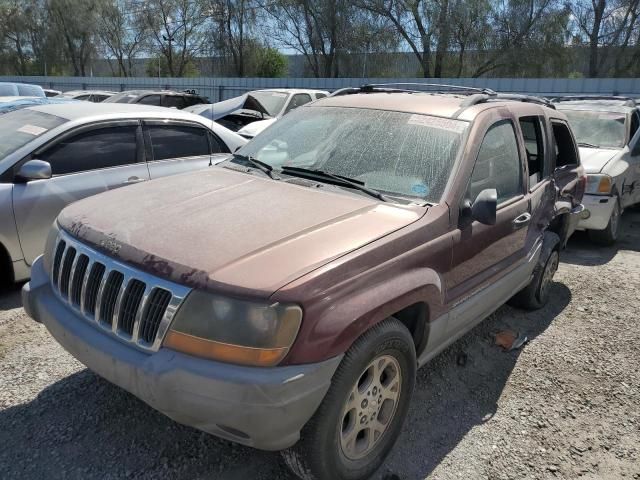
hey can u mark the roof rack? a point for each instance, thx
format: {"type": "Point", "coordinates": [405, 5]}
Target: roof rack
{"type": "Point", "coordinates": [514, 97]}
{"type": "Point", "coordinates": [393, 88]}
{"type": "Point", "coordinates": [627, 101]}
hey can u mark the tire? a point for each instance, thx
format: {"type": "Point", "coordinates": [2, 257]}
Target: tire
{"type": "Point", "coordinates": [609, 235]}
{"type": "Point", "coordinates": [334, 445]}
{"type": "Point", "coordinates": [536, 295]}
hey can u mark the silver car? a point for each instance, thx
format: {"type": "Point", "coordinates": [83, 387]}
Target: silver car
{"type": "Point", "coordinates": [53, 155]}
{"type": "Point", "coordinates": [607, 130]}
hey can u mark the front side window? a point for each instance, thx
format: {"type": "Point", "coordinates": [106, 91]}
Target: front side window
{"type": "Point", "coordinates": [19, 127]}
{"type": "Point", "coordinates": [150, 100]}
{"type": "Point", "coordinates": [598, 129]}
{"type": "Point", "coordinates": [175, 141]}
{"type": "Point", "coordinates": [565, 151]}
{"type": "Point", "coordinates": [635, 124]}
{"type": "Point", "coordinates": [397, 153]}
{"type": "Point", "coordinates": [498, 164]}
{"type": "Point", "coordinates": [298, 100]}
{"type": "Point", "coordinates": [100, 148]}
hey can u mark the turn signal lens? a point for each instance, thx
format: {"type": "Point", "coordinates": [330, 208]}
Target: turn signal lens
{"type": "Point", "coordinates": [223, 352]}
{"type": "Point", "coordinates": [599, 184]}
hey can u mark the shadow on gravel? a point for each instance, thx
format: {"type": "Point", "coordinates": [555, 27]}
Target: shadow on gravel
{"type": "Point", "coordinates": [84, 427]}
{"type": "Point", "coordinates": [10, 296]}
{"type": "Point", "coordinates": [581, 251]}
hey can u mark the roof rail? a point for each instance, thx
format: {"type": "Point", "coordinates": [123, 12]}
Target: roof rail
{"type": "Point", "coordinates": [627, 101]}
{"type": "Point", "coordinates": [393, 88]}
{"type": "Point", "coordinates": [514, 97]}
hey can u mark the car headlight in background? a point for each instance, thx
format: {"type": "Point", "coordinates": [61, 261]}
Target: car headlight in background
{"type": "Point", "coordinates": [234, 331]}
{"type": "Point", "coordinates": [599, 184]}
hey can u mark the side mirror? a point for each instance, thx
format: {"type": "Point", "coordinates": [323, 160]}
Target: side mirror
{"type": "Point", "coordinates": [485, 207]}
{"type": "Point", "coordinates": [34, 170]}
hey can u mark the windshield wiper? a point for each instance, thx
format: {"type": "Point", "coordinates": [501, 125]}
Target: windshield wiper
{"type": "Point", "coordinates": [260, 165]}
{"type": "Point", "coordinates": [339, 179]}
{"type": "Point", "coordinates": [587, 145]}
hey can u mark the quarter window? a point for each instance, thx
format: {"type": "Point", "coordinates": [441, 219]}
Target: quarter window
{"type": "Point", "coordinates": [92, 150]}
{"type": "Point", "coordinates": [498, 164]}
{"type": "Point", "coordinates": [174, 141]}
{"type": "Point", "coordinates": [532, 133]}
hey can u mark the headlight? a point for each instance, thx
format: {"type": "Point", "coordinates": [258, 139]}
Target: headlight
{"type": "Point", "coordinates": [599, 184]}
{"type": "Point", "coordinates": [234, 331]}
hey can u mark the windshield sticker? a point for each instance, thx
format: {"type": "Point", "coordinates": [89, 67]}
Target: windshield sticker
{"type": "Point", "coordinates": [420, 189]}
{"type": "Point", "coordinates": [32, 130]}
{"type": "Point", "coordinates": [435, 122]}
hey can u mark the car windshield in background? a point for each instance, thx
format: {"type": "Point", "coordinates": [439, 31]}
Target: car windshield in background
{"type": "Point", "coordinates": [20, 127]}
{"type": "Point", "coordinates": [401, 154]}
{"type": "Point", "coordinates": [600, 129]}
{"type": "Point", "coordinates": [271, 101]}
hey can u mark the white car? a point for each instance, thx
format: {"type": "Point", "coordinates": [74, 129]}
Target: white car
{"type": "Point", "coordinates": [95, 96]}
{"type": "Point", "coordinates": [608, 135]}
{"type": "Point", "coordinates": [251, 113]}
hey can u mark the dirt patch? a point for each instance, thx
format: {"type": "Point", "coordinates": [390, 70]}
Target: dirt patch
{"type": "Point", "coordinates": [565, 405]}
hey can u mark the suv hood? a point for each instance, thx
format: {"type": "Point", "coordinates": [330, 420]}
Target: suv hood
{"type": "Point", "coordinates": [594, 159]}
{"type": "Point", "coordinates": [218, 229]}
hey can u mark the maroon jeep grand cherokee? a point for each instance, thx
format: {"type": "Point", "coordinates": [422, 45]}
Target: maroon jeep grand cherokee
{"type": "Point", "coordinates": [285, 298]}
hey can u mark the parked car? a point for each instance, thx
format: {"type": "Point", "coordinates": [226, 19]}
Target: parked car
{"type": "Point", "coordinates": [95, 96]}
{"type": "Point", "coordinates": [251, 113]}
{"type": "Point", "coordinates": [163, 98]}
{"type": "Point", "coordinates": [50, 92]}
{"type": "Point", "coordinates": [9, 89]}
{"type": "Point", "coordinates": [284, 298]}
{"type": "Point", "coordinates": [10, 104]}
{"type": "Point", "coordinates": [607, 132]}
{"type": "Point", "coordinates": [52, 155]}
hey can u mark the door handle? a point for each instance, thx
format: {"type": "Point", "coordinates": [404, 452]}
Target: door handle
{"type": "Point", "coordinates": [132, 180]}
{"type": "Point", "coordinates": [522, 220]}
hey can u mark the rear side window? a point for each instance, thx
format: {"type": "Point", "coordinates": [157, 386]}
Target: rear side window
{"type": "Point", "coordinates": [532, 133]}
{"type": "Point", "coordinates": [150, 100]}
{"type": "Point", "coordinates": [565, 149]}
{"type": "Point", "coordinates": [176, 141]}
{"type": "Point", "coordinates": [174, 101]}
{"type": "Point", "coordinates": [92, 150]}
{"type": "Point", "coordinates": [498, 164]}
{"type": "Point", "coordinates": [320, 95]}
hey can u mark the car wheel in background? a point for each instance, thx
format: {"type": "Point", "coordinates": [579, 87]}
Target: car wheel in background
{"type": "Point", "coordinates": [609, 235]}
{"type": "Point", "coordinates": [362, 414]}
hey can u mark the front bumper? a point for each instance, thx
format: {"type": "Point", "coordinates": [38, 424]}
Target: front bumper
{"type": "Point", "coordinates": [597, 212]}
{"type": "Point", "coordinates": [261, 407]}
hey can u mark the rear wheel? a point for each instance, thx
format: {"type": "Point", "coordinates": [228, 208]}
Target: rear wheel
{"type": "Point", "coordinates": [362, 414]}
{"type": "Point", "coordinates": [536, 294]}
{"type": "Point", "coordinates": [609, 235]}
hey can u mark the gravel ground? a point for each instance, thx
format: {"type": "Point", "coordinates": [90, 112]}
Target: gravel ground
{"type": "Point", "coordinates": [566, 405]}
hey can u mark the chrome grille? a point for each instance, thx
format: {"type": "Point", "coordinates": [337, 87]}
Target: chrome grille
{"type": "Point", "coordinates": [129, 304]}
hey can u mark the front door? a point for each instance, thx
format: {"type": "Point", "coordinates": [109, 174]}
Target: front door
{"type": "Point", "coordinates": [482, 254]}
{"type": "Point", "coordinates": [83, 163]}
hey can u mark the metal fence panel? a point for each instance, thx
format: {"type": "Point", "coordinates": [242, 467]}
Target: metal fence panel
{"type": "Point", "coordinates": [221, 88]}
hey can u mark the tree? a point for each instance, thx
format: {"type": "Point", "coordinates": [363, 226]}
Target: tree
{"type": "Point", "coordinates": [76, 22]}
{"type": "Point", "coordinates": [123, 34]}
{"type": "Point", "coordinates": [176, 30]}
{"type": "Point", "coordinates": [270, 63]}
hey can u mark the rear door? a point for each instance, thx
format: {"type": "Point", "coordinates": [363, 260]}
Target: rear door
{"type": "Point", "coordinates": [84, 162]}
{"type": "Point", "coordinates": [483, 255]}
{"type": "Point", "coordinates": [180, 147]}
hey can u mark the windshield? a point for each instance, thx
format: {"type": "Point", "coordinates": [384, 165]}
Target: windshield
{"type": "Point", "coordinates": [397, 153]}
{"type": "Point", "coordinates": [271, 101]}
{"type": "Point", "coordinates": [20, 127]}
{"type": "Point", "coordinates": [600, 129]}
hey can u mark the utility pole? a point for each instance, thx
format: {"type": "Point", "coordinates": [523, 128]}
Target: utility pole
{"type": "Point", "coordinates": [169, 38]}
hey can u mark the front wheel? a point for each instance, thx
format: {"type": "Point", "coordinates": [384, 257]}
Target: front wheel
{"type": "Point", "coordinates": [609, 235]}
{"type": "Point", "coordinates": [362, 414]}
